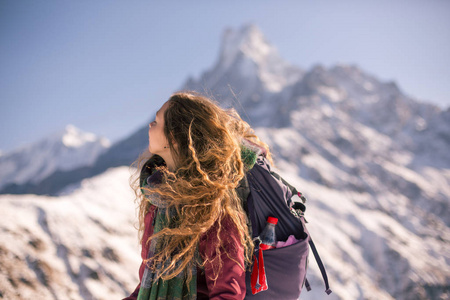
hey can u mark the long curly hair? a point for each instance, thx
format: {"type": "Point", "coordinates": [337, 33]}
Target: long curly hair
{"type": "Point", "coordinates": [205, 141]}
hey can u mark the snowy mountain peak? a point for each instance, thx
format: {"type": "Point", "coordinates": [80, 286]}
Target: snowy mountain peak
{"type": "Point", "coordinates": [73, 137]}
{"type": "Point", "coordinates": [248, 41]}
{"type": "Point", "coordinates": [247, 52]}
{"type": "Point", "coordinates": [65, 150]}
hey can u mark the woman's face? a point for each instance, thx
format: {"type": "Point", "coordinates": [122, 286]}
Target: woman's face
{"type": "Point", "coordinates": [157, 141]}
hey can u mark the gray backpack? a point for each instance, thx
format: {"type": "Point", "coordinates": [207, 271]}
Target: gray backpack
{"type": "Point", "coordinates": [264, 193]}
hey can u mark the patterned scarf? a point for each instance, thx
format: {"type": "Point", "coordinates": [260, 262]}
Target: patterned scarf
{"type": "Point", "coordinates": [152, 287]}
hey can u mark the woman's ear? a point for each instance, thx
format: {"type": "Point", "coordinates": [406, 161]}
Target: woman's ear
{"type": "Point", "coordinates": [172, 141]}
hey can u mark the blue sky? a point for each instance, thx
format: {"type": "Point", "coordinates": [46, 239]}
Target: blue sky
{"type": "Point", "coordinates": [107, 66]}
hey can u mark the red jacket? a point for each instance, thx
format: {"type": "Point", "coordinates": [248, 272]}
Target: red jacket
{"type": "Point", "coordinates": [230, 283]}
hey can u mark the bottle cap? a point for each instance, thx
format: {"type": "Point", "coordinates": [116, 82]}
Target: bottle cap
{"type": "Point", "coordinates": [272, 220]}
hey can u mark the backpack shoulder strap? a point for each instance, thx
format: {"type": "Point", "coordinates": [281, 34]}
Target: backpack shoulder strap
{"type": "Point", "coordinates": [242, 191]}
{"type": "Point", "coordinates": [292, 188]}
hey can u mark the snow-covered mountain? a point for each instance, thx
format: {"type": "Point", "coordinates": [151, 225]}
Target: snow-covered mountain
{"type": "Point", "coordinates": [373, 162]}
{"type": "Point", "coordinates": [66, 150]}
{"type": "Point", "coordinates": [247, 59]}
{"type": "Point", "coordinates": [79, 246]}
{"type": "Point", "coordinates": [249, 75]}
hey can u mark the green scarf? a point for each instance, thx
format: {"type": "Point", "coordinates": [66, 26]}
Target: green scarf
{"type": "Point", "coordinates": [178, 288]}
{"type": "Point", "coordinates": [153, 287]}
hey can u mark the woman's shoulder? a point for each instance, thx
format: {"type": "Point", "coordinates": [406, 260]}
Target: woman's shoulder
{"type": "Point", "coordinates": [222, 232]}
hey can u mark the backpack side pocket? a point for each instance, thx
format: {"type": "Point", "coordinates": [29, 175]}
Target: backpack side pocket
{"type": "Point", "coordinates": [285, 271]}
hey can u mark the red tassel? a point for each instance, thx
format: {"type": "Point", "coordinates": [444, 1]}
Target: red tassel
{"type": "Point", "coordinates": [258, 279]}
{"type": "Point", "coordinates": [254, 277]}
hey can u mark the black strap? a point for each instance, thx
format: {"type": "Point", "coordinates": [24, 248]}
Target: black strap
{"type": "Point", "coordinates": [308, 287]}
{"type": "Point", "coordinates": [321, 267]}
{"type": "Point", "coordinates": [242, 192]}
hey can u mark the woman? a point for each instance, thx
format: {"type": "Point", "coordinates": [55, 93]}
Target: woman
{"type": "Point", "coordinates": [195, 240]}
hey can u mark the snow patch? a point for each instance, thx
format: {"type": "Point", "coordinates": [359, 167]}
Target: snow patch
{"type": "Point", "coordinates": [73, 137]}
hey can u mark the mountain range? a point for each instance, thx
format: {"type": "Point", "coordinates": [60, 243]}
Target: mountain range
{"type": "Point", "coordinates": [62, 151]}
{"type": "Point", "coordinates": [373, 162]}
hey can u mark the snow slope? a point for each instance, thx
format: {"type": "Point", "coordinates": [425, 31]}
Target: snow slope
{"type": "Point", "coordinates": [375, 242]}
{"type": "Point", "coordinates": [80, 246]}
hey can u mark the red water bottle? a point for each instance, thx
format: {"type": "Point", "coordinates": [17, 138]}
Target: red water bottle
{"type": "Point", "coordinates": [268, 240]}
{"type": "Point", "coordinates": [268, 236]}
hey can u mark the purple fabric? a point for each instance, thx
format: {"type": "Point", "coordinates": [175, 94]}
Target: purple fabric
{"type": "Point", "coordinates": [285, 272]}
{"type": "Point", "coordinates": [230, 283]}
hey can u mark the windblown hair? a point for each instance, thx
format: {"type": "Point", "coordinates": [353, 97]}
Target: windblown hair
{"type": "Point", "coordinates": [205, 141]}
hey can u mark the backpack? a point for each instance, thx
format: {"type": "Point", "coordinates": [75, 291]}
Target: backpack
{"type": "Point", "coordinates": [264, 193]}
